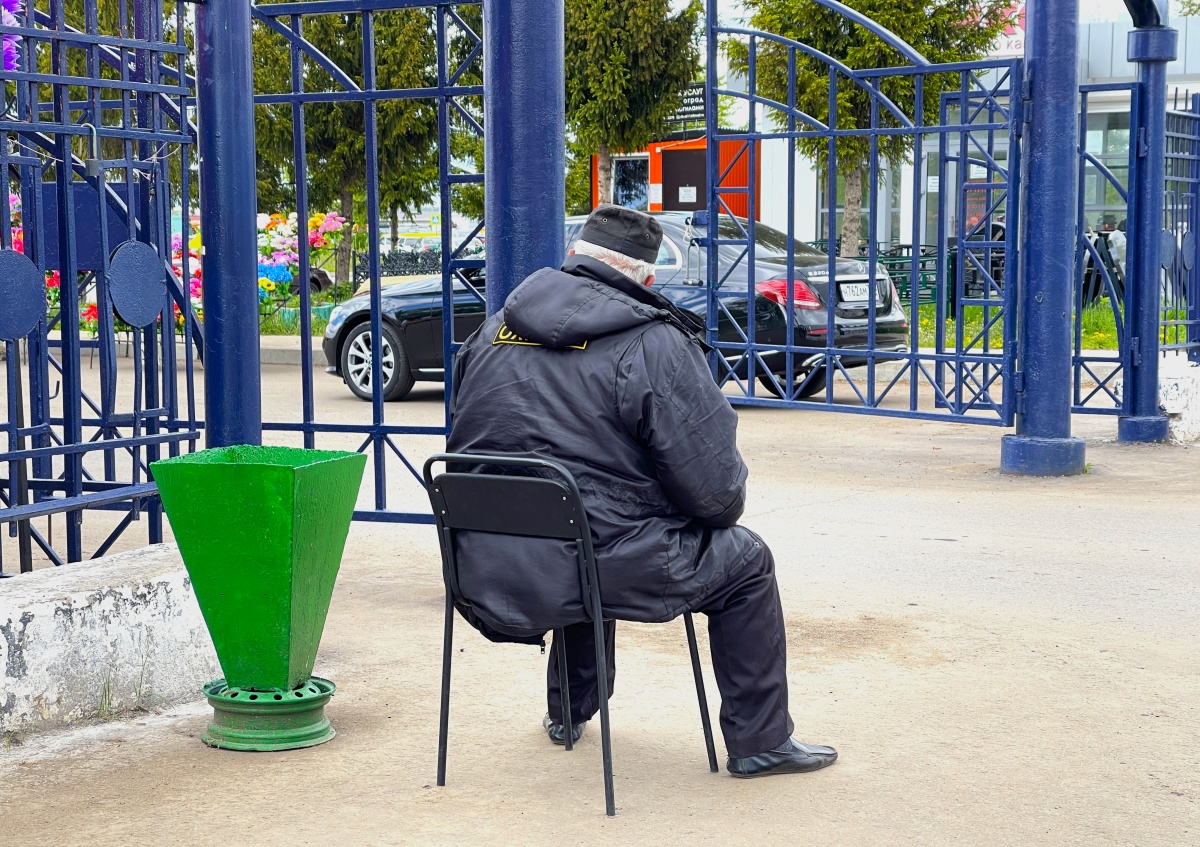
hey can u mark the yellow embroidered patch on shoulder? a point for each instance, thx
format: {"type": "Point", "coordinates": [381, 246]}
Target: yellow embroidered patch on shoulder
{"type": "Point", "coordinates": [504, 335]}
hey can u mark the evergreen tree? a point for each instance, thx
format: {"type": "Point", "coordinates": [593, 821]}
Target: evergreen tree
{"type": "Point", "coordinates": [941, 30]}
{"type": "Point", "coordinates": [579, 178]}
{"type": "Point", "coordinates": [466, 144]}
{"type": "Point", "coordinates": [627, 64]}
{"type": "Point", "coordinates": [405, 57]}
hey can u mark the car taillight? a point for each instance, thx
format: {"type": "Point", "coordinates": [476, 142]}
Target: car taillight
{"type": "Point", "coordinates": [776, 290]}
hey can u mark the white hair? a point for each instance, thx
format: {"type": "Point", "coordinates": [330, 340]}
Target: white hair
{"type": "Point", "coordinates": [635, 269]}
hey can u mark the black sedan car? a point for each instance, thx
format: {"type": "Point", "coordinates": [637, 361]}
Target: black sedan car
{"type": "Point", "coordinates": [412, 311]}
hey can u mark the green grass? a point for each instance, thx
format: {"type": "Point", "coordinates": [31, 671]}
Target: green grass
{"type": "Point", "coordinates": [1098, 327]}
{"type": "Point", "coordinates": [277, 325]}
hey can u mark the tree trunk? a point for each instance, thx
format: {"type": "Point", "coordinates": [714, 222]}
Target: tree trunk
{"type": "Point", "coordinates": [852, 214]}
{"type": "Point", "coordinates": [604, 174]}
{"type": "Point", "coordinates": [394, 223]}
{"type": "Point", "coordinates": [345, 250]}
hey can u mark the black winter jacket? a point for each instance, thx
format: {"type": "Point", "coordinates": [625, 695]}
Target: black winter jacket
{"type": "Point", "coordinates": [608, 378]}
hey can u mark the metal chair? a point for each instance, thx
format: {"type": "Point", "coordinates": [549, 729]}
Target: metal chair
{"type": "Point", "coordinates": [547, 506]}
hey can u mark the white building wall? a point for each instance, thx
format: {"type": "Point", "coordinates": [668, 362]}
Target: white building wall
{"type": "Point", "coordinates": [773, 200]}
{"type": "Point", "coordinates": [907, 180]}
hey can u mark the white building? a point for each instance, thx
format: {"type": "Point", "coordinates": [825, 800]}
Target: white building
{"type": "Point", "coordinates": [1102, 61]}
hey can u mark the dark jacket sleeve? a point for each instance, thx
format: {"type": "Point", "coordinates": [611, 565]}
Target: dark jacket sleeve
{"type": "Point", "coordinates": [669, 402]}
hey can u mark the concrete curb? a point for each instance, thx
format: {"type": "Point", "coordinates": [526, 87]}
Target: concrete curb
{"type": "Point", "coordinates": [100, 638]}
{"type": "Point", "coordinates": [285, 350]}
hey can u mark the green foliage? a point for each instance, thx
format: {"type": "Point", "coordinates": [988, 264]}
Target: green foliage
{"type": "Point", "coordinates": [579, 178]}
{"type": "Point", "coordinates": [941, 30]}
{"type": "Point", "coordinates": [627, 64]}
{"type": "Point", "coordinates": [406, 57]}
{"type": "Point", "coordinates": [1187, 7]}
{"type": "Point", "coordinates": [278, 324]}
{"type": "Point", "coordinates": [113, 18]}
{"type": "Point", "coordinates": [466, 144]}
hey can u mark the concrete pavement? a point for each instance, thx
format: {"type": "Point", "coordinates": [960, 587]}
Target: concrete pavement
{"type": "Point", "coordinates": [999, 660]}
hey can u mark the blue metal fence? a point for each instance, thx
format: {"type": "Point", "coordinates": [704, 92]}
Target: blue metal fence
{"type": "Point", "coordinates": [94, 146]}
{"type": "Point", "coordinates": [1109, 259]}
{"type": "Point", "coordinates": [111, 99]}
{"type": "Point", "coordinates": [865, 353]}
{"type": "Point", "coordinates": [1180, 318]}
{"type": "Point", "coordinates": [456, 96]}
{"type": "Point", "coordinates": [95, 141]}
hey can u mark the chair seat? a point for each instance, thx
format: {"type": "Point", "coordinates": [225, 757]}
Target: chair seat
{"type": "Point", "coordinates": [545, 503]}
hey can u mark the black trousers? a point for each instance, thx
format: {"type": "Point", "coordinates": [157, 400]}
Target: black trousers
{"type": "Point", "coordinates": [749, 655]}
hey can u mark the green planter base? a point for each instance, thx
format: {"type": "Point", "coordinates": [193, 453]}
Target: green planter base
{"type": "Point", "coordinates": [245, 719]}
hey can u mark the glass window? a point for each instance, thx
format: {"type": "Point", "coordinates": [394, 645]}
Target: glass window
{"type": "Point", "coordinates": [1108, 140]}
{"type": "Point", "coordinates": [768, 242]}
{"type": "Point", "coordinates": [667, 255]}
{"type": "Point", "coordinates": [631, 183]}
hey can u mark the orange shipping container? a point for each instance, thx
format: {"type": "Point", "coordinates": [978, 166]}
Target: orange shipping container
{"type": "Point", "coordinates": [678, 175]}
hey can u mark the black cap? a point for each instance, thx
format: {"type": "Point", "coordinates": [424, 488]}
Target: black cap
{"type": "Point", "coordinates": [624, 230]}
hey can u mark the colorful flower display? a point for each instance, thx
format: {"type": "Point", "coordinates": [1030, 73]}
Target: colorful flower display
{"type": "Point", "coordinates": [279, 259]}
{"type": "Point", "coordinates": [18, 232]}
{"type": "Point", "coordinates": [279, 243]}
{"type": "Point", "coordinates": [194, 279]}
{"type": "Point", "coordinates": [89, 318]}
{"type": "Point", "coordinates": [9, 9]}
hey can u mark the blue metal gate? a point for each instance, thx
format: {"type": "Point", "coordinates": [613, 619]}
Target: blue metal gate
{"type": "Point", "coordinates": [454, 95]}
{"type": "Point", "coordinates": [1180, 317]}
{"type": "Point", "coordinates": [920, 328]}
{"type": "Point", "coordinates": [94, 146]}
{"type": "Point", "coordinates": [1105, 260]}
{"type": "Point", "coordinates": [1108, 260]}
{"type": "Point", "coordinates": [104, 161]}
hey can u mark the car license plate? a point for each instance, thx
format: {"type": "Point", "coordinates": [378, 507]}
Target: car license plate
{"type": "Point", "coordinates": [855, 292]}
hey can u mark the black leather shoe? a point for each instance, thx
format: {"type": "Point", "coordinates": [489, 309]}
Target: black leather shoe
{"type": "Point", "coordinates": [558, 732]}
{"type": "Point", "coordinates": [790, 757]}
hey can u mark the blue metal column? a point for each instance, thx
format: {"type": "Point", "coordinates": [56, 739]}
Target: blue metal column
{"type": "Point", "coordinates": [225, 97]}
{"type": "Point", "coordinates": [524, 107]}
{"type": "Point", "coordinates": [1151, 46]}
{"type": "Point", "coordinates": [1043, 445]}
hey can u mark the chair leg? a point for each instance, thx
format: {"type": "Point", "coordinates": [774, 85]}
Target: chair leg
{"type": "Point", "coordinates": [610, 805]}
{"type": "Point", "coordinates": [444, 715]}
{"type": "Point", "coordinates": [699, 674]}
{"type": "Point", "coordinates": [564, 687]}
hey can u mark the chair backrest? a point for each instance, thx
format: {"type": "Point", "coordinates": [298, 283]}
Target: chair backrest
{"type": "Point", "coordinates": [511, 505]}
{"type": "Point", "coordinates": [525, 564]}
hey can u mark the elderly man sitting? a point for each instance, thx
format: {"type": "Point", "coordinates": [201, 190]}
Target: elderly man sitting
{"type": "Point", "coordinates": [589, 367]}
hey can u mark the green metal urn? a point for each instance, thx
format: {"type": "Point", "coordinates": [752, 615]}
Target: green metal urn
{"type": "Point", "coordinates": [262, 531]}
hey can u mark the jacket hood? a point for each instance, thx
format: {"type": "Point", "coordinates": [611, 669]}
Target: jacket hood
{"type": "Point", "coordinates": [586, 299]}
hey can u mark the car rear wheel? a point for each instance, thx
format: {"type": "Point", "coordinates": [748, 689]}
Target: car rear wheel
{"type": "Point", "coordinates": [814, 386]}
{"type": "Point", "coordinates": [357, 354]}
